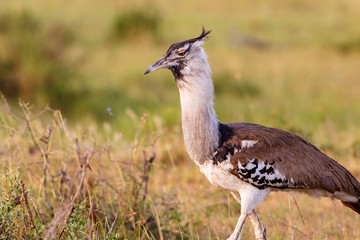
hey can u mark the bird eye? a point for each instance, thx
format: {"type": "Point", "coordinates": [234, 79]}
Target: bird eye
{"type": "Point", "coordinates": [181, 53]}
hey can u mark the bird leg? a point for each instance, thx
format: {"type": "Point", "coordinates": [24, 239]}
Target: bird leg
{"type": "Point", "coordinates": [236, 235]}
{"type": "Point", "coordinates": [258, 226]}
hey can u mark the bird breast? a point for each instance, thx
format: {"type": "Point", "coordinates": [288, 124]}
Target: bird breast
{"type": "Point", "coordinates": [219, 176]}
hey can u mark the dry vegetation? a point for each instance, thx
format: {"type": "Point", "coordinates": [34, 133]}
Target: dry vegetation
{"type": "Point", "coordinates": [111, 164]}
{"type": "Point", "coordinates": [66, 183]}
{"type": "Point", "coordinates": [57, 183]}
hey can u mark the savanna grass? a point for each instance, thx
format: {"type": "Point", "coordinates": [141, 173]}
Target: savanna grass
{"type": "Point", "coordinates": [75, 185]}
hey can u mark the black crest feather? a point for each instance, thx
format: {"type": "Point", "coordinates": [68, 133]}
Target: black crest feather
{"type": "Point", "coordinates": [203, 36]}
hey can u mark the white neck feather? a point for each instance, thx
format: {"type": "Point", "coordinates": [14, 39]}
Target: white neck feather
{"type": "Point", "coordinates": [199, 122]}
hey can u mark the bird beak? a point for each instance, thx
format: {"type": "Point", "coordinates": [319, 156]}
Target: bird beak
{"type": "Point", "coordinates": [156, 66]}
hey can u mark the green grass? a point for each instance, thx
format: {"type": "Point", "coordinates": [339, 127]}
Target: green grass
{"type": "Point", "coordinates": [293, 65]}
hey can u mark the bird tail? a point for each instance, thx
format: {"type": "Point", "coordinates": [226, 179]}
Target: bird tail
{"type": "Point", "coordinates": [353, 206]}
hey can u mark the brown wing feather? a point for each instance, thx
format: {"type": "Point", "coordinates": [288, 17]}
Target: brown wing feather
{"type": "Point", "coordinates": [353, 206]}
{"type": "Point", "coordinates": [292, 161]}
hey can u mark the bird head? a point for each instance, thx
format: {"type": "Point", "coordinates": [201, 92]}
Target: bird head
{"type": "Point", "coordinates": [181, 55]}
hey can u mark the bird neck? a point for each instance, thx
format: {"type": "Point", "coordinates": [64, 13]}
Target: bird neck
{"type": "Point", "coordinates": [199, 121]}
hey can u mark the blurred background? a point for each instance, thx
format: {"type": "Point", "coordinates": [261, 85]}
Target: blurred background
{"type": "Point", "coordinates": [289, 64]}
{"type": "Point", "coordinates": [279, 63]}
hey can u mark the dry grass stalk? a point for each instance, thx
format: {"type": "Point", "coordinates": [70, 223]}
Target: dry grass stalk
{"type": "Point", "coordinates": [92, 215]}
{"type": "Point", "coordinates": [147, 167]}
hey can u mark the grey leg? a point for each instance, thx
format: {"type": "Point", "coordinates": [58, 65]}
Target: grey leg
{"type": "Point", "coordinates": [258, 226]}
{"type": "Point", "coordinates": [250, 197]}
{"type": "Point", "coordinates": [236, 235]}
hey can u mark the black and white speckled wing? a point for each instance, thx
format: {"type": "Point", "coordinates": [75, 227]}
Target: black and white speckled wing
{"type": "Point", "coordinates": [268, 157]}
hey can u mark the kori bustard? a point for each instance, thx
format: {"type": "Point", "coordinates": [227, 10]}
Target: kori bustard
{"type": "Point", "coordinates": [247, 159]}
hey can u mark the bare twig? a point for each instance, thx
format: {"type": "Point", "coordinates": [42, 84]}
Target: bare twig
{"type": "Point", "coordinates": [23, 213]}
{"type": "Point", "coordinates": [7, 106]}
{"type": "Point", "coordinates": [286, 224]}
{"type": "Point", "coordinates": [46, 108]}
{"type": "Point", "coordinates": [87, 235]}
{"type": "Point", "coordinates": [26, 203]}
{"type": "Point", "coordinates": [37, 212]}
{"type": "Point", "coordinates": [65, 215]}
{"type": "Point", "coordinates": [81, 161]}
{"type": "Point", "coordinates": [107, 184]}
{"type": "Point", "coordinates": [44, 153]}
{"type": "Point", "coordinates": [112, 225]}
{"type": "Point", "coordinates": [71, 205]}
{"type": "Point", "coordinates": [157, 219]}
{"type": "Point", "coordinates": [46, 140]}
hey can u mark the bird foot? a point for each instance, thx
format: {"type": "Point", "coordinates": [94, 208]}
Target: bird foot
{"type": "Point", "coordinates": [263, 237]}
